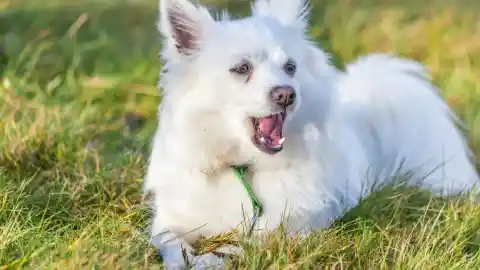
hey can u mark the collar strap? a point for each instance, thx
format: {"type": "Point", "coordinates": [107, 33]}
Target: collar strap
{"type": "Point", "coordinates": [239, 172]}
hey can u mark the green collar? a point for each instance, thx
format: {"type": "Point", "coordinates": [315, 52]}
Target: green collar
{"type": "Point", "coordinates": [239, 172]}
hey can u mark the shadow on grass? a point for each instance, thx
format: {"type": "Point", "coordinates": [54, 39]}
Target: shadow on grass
{"type": "Point", "coordinates": [82, 39]}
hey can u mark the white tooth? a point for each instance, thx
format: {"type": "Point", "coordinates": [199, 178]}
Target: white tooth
{"type": "Point", "coordinates": [280, 142]}
{"type": "Point", "coordinates": [262, 139]}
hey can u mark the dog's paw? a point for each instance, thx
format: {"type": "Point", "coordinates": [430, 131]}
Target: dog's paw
{"type": "Point", "coordinates": [188, 261]}
{"type": "Point", "coordinates": [178, 255]}
{"type": "Point", "coordinates": [174, 263]}
{"type": "Point", "coordinates": [207, 261]}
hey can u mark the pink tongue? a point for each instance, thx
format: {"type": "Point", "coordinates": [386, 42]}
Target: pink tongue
{"type": "Point", "coordinates": [270, 128]}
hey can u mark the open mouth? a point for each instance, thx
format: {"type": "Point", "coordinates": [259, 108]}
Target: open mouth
{"type": "Point", "coordinates": [267, 135]}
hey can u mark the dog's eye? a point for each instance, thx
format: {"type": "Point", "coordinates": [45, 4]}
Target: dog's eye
{"type": "Point", "coordinates": [243, 69]}
{"type": "Point", "coordinates": [290, 67]}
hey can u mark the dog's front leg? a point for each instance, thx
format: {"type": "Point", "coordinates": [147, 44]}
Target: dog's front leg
{"type": "Point", "coordinates": [176, 254]}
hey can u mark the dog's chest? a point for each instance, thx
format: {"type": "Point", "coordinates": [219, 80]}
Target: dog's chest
{"type": "Point", "coordinates": [221, 204]}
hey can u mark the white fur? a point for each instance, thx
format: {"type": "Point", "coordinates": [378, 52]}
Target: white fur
{"type": "Point", "coordinates": [348, 131]}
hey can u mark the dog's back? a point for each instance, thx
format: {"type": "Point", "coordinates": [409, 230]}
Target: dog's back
{"type": "Point", "coordinates": [405, 125]}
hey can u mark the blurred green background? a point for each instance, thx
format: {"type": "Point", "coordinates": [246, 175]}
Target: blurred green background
{"type": "Point", "coordinates": [77, 109]}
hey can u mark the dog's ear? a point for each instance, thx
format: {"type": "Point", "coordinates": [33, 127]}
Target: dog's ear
{"type": "Point", "coordinates": [183, 24]}
{"type": "Point", "coordinates": [294, 13]}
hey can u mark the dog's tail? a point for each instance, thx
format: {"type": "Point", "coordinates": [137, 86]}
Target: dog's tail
{"type": "Point", "coordinates": [404, 122]}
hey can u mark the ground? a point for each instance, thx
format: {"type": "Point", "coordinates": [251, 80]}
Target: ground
{"type": "Point", "coordinates": [78, 102]}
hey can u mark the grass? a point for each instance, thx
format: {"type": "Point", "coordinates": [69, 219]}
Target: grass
{"type": "Point", "coordinates": [78, 107]}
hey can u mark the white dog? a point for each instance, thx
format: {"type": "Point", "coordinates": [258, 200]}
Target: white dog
{"type": "Point", "coordinates": [256, 92]}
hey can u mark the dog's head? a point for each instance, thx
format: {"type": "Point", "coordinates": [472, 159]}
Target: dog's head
{"type": "Point", "coordinates": [236, 80]}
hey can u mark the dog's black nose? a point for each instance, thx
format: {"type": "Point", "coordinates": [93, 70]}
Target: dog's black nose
{"type": "Point", "coordinates": [283, 95]}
